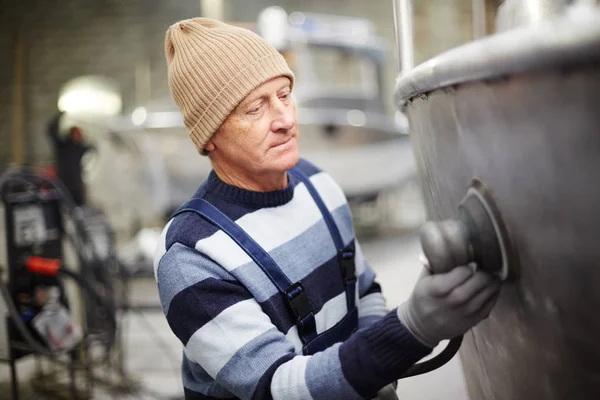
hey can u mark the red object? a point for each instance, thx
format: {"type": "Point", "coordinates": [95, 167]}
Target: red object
{"type": "Point", "coordinates": [42, 266]}
{"type": "Point", "coordinates": [49, 171]}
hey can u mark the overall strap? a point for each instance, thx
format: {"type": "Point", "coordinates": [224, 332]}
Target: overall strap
{"type": "Point", "coordinates": [294, 293]}
{"type": "Point", "coordinates": [345, 254]}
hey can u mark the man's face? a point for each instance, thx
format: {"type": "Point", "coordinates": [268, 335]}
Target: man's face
{"type": "Point", "coordinates": [260, 136]}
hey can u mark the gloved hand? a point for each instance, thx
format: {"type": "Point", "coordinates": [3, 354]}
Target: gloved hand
{"type": "Point", "coordinates": [388, 392]}
{"type": "Point", "coordinates": [446, 305]}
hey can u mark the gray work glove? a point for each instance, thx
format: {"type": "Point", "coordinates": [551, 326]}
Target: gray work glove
{"type": "Point", "coordinates": [388, 392]}
{"type": "Point", "coordinates": [446, 305]}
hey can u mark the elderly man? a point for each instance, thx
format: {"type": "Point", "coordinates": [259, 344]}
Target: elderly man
{"type": "Point", "coordinates": [260, 275]}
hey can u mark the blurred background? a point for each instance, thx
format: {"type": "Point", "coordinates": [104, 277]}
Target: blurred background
{"type": "Point", "coordinates": [107, 58]}
{"type": "Point", "coordinates": [85, 100]}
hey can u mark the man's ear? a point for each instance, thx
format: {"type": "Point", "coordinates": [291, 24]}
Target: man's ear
{"type": "Point", "coordinates": [210, 146]}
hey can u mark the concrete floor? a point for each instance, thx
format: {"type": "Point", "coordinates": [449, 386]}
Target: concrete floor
{"type": "Point", "coordinates": [153, 353]}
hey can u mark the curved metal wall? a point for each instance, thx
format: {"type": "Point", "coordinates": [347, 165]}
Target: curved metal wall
{"type": "Point", "coordinates": [535, 140]}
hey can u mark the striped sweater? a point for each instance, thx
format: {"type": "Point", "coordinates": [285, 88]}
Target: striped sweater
{"type": "Point", "coordinates": [239, 338]}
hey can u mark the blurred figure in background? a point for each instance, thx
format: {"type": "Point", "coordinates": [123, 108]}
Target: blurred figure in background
{"type": "Point", "coordinates": [69, 149]}
{"type": "Point", "coordinates": [260, 275]}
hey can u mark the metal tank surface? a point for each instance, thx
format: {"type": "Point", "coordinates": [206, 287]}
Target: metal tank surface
{"type": "Point", "coordinates": [520, 110]}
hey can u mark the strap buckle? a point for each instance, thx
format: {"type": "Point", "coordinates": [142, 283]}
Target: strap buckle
{"type": "Point", "coordinates": [298, 300]}
{"type": "Point", "coordinates": [347, 266]}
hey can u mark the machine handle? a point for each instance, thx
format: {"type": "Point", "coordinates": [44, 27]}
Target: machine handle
{"type": "Point", "coordinates": [445, 245]}
{"type": "Point", "coordinates": [478, 235]}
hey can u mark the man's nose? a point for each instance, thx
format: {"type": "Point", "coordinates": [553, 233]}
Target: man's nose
{"type": "Point", "coordinates": [284, 116]}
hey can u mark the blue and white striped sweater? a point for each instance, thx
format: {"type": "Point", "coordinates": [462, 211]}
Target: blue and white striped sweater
{"type": "Point", "coordinates": [239, 336]}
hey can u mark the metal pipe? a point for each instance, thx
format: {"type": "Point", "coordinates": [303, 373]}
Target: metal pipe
{"type": "Point", "coordinates": [397, 35]}
{"type": "Point", "coordinates": [404, 34]}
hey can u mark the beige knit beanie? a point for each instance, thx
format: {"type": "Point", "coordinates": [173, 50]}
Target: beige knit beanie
{"type": "Point", "coordinates": [213, 66]}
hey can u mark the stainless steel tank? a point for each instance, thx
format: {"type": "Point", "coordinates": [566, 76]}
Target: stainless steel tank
{"type": "Point", "coordinates": [520, 110]}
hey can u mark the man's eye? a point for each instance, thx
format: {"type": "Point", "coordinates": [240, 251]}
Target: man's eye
{"type": "Point", "coordinates": [284, 96]}
{"type": "Point", "coordinates": [254, 110]}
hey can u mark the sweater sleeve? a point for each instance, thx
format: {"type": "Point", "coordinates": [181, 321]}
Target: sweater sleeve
{"type": "Point", "coordinates": [371, 302]}
{"type": "Point", "coordinates": [225, 331]}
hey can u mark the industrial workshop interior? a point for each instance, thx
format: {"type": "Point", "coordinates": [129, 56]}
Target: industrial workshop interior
{"type": "Point", "coordinates": [442, 155]}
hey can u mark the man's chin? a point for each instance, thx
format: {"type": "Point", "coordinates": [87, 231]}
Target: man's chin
{"type": "Point", "coordinates": [283, 158]}
{"type": "Point", "coordinates": [289, 159]}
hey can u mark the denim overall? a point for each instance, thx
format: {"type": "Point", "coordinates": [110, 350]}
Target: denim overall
{"type": "Point", "coordinates": [294, 292]}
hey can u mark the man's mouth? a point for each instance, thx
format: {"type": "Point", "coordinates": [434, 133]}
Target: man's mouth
{"type": "Point", "coordinates": [282, 142]}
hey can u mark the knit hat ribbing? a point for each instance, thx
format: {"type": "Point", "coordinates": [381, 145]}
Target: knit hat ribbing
{"type": "Point", "coordinates": [212, 67]}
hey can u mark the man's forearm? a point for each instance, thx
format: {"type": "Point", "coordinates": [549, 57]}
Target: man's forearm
{"type": "Point", "coordinates": [356, 369]}
{"type": "Point", "coordinates": [378, 355]}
